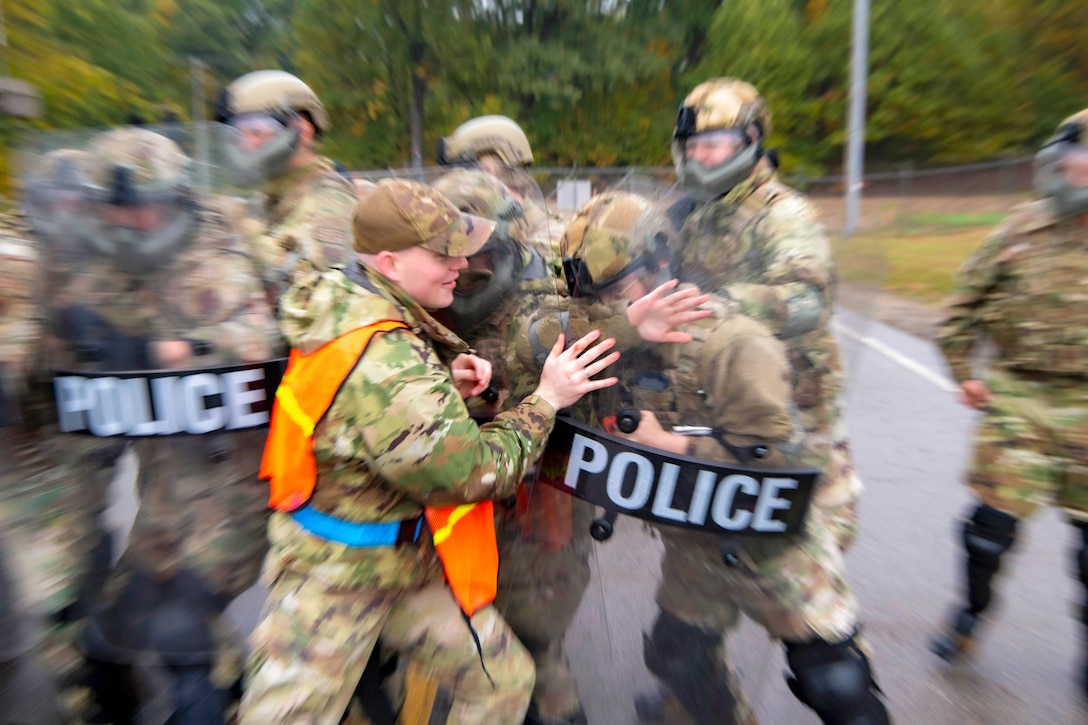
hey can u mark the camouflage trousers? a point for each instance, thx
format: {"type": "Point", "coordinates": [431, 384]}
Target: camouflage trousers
{"type": "Point", "coordinates": [49, 506]}
{"type": "Point", "coordinates": [827, 447]}
{"type": "Point", "coordinates": [1031, 448]}
{"type": "Point", "coordinates": [544, 551]}
{"type": "Point", "coordinates": [314, 640]}
{"type": "Point", "coordinates": [797, 591]}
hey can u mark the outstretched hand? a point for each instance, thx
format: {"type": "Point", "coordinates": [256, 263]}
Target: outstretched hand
{"type": "Point", "coordinates": [568, 374]}
{"type": "Point", "coordinates": [657, 315]}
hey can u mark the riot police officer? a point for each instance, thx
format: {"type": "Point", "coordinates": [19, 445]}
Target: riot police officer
{"type": "Point", "coordinates": [159, 334]}
{"type": "Point", "coordinates": [724, 398]}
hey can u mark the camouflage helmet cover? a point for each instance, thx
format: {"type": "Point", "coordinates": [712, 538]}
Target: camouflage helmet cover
{"type": "Point", "coordinates": [615, 234]}
{"type": "Point", "coordinates": [153, 163]}
{"type": "Point", "coordinates": [722, 103]}
{"type": "Point", "coordinates": [275, 91]}
{"type": "Point", "coordinates": [495, 135]}
{"type": "Point", "coordinates": [474, 191]}
{"type": "Point", "coordinates": [131, 167]}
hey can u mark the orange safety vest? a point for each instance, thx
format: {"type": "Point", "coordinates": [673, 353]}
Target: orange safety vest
{"type": "Point", "coordinates": [464, 536]}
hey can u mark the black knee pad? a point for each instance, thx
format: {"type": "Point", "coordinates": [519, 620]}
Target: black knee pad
{"type": "Point", "coordinates": [987, 535]}
{"type": "Point", "coordinates": [687, 660]}
{"type": "Point", "coordinates": [835, 680]}
{"type": "Point", "coordinates": [678, 650]}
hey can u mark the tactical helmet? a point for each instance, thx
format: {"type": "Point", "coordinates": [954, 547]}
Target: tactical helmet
{"type": "Point", "coordinates": [268, 100]}
{"type": "Point", "coordinates": [722, 105]}
{"type": "Point", "coordinates": [131, 171]}
{"type": "Point", "coordinates": [493, 272]}
{"type": "Point", "coordinates": [487, 135]}
{"type": "Point", "coordinates": [273, 92]}
{"type": "Point", "coordinates": [615, 235]}
{"type": "Point", "coordinates": [1051, 181]}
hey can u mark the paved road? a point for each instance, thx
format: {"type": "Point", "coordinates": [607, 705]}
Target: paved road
{"type": "Point", "coordinates": [910, 441]}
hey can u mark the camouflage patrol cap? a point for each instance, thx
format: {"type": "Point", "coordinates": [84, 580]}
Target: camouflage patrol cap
{"type": "Point", "coordinates": [615, 234]}
{"type": "Point", "coordinates": [720, 104]}
{"type": "Point", "coordinates": [399, 214]}
{"type": "Point", "coordinates": [495, 135]}
{"type": "Point", "coordinates": [274, 91]}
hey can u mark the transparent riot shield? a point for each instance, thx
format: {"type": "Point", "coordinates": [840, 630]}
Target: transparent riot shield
{"type": "Point", "coordinates": [158, 336]}
{"type": "Point", "coordinates": [707, 485]}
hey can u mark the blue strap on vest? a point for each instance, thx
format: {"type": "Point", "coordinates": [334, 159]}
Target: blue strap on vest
{"type": "Point", "coordinates": [354, 533]}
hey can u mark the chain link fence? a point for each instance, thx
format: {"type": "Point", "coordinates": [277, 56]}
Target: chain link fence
{"type": "Point", "coordinates": [890, 198]}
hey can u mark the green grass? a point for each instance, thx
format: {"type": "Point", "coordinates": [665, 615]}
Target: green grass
{"type": "Point", "coordinates": [917, 264]}
{"type": "Point", "coordinates": [937, 222]}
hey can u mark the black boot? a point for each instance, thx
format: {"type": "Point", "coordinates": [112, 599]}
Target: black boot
{"type": "Point", "coordinates": [957, 638]}
{"type": "Point", "coordinates": [987, 535]}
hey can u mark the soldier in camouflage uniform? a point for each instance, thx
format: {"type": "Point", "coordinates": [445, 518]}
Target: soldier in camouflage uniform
{"type": "Point", "coordinates": [52, 487]}
{"type": "Point", "coordinates": [733, 377]}
{"type": "Point", "coordinates": [760, 243]}
{"type": "Point", "coordinates": [42, 521]}
{"type": "Point", "coordinates": [1024, 290]}
{"type": "Point", "coordinates": [304, 219]}
{"type": "Point", "coordinates": [163, 282]}
{"type": "Point", "coordinates": [395, 438]}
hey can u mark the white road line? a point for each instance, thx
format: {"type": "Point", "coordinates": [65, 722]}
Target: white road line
{"type": "Point", "coordinates": [902, 360]}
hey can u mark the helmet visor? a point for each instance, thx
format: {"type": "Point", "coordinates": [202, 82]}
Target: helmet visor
{"type": "Point", "coordinates": [714, 147]}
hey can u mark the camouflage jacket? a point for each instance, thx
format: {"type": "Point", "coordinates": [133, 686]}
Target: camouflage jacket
{"type": "Point", "coordinates": [763, 245]}
{"type": "Point", "coordinates": [304, 224]}
{"type": "Point", "coordinates": [398, 435]}
{"type": "Point", "coordinates": [1025, 288]}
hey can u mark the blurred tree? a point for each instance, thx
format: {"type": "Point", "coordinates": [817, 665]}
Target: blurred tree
{"type": "Point", "coordinates": [946, 81]}
{"type": "Point", "coordinates": [581, 77]}
{"type": "Point", "coordinates": [593, 82]}
{"type": "Point", "coordinates": [388, 55]}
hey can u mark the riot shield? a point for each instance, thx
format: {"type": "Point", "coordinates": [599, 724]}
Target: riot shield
{"type": "Point", "coordinates": [158, 336]}
{"type": "Point", "coordinates": [699, 484]}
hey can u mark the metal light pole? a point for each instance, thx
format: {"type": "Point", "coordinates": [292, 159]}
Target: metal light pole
{"type": "Point", "coordinates": [855, 144]}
